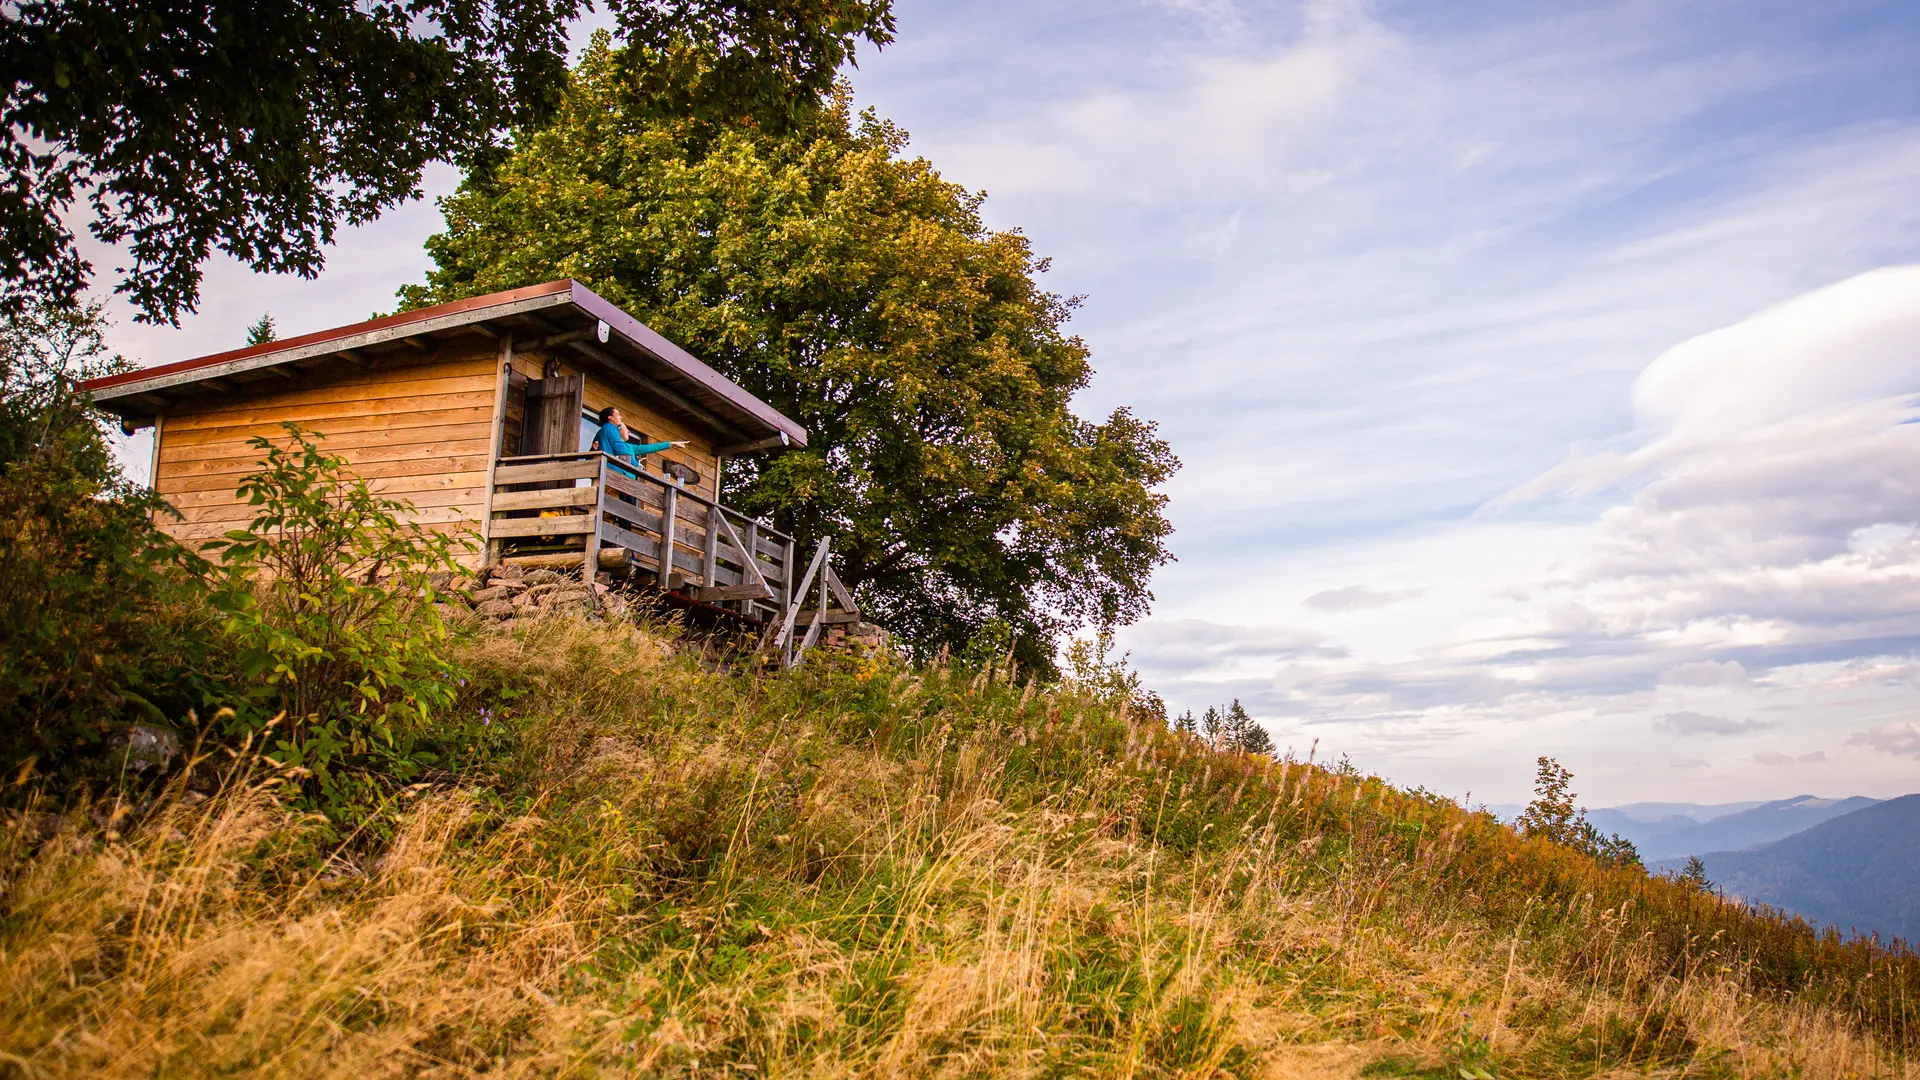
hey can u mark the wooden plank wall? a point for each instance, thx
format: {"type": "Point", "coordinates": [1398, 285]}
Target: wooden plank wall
{"type": "Point", "coordinates": [417, 431]}
{"type": "Point", "coordinates": [649, 424]}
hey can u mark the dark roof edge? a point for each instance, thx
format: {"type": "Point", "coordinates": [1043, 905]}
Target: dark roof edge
{"type": "Point", "coordinates": [354, 335]}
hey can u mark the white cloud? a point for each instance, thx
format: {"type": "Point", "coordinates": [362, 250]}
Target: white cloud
{"type": "Point", "coordinates": [1693, 723]}
{"type": "Point", "coordinates": [1705, 673]}
{"type": "Point", "coordinates": [1687, 763]}
{"type": "Point", "coordinates": [1898, 737]}
{"type": "Point", "coordinates": [1774, 524]}
{"type": "Point", "coordinates": [1854, 341]}
{"type": "Point", "coordinates": [1772, 758]}
{"type": "Point", "coordinates": [1835, 361]}
{"type": "Point", "coordinates": [1358, 597]}
{"type": "Point", "coordinates": [1214, 124]}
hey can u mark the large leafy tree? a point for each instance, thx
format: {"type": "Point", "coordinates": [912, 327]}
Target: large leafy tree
{"type": "Point", "coordinates": [859, 292]}
{"type": "Point", "coordinates": [258, 127]}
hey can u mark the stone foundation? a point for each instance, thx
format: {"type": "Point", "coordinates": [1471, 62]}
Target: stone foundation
{"type": "Point", "coordinates": [507, 592]}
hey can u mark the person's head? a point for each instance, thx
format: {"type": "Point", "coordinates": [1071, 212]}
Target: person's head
{"type": "Point", "coordinates": [610, 415]}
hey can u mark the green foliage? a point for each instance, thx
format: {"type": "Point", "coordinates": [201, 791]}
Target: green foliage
{"type": "Point", "coordinates": [260, 128]}
{"type": "Point", "coordinates": [1230, 728]}
{"type": "Point", "coordinates": [1611, 848]}
{"type": "Point", "coordinates": [1247, 734]}
{"type": "Point", "coordinates": [857, 291]}
{"type": "Point", "coordinates": [769, 63]}
{"type": "Point", "coordinates": [991, 647]}
{"type": "Point", "coordinates": [263, 331]}
{"type": "Point", "coordinates": [46, 352]}
{"type": "Point", "coordinates": [1470, 1055]}
{"type": "Point", "coordinates": [102, 623]}
{"type": "Point", "coordinates": [1090, 668]}
{"type": "Point", "coordinates": [1694, 875]}
{"type": "Point", "coordinates": [1553, 816]}
{"type": "Point", "coordinates": [329, 599]}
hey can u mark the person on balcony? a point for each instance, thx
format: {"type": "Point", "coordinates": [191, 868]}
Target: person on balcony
{"type": "Point", "coordinates": [614, 439]}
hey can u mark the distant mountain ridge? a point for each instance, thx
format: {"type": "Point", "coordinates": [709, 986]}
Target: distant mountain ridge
{"type": "Point", "coordinates": [1677, 835]}
{"type": "Point", "coordinates": [1651, 812]}
{"type": "Point", "coordinates": [1859, 872]}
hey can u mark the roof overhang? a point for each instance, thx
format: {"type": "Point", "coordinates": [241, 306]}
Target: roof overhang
{"type": "Point", "coordinates": [559, 316]}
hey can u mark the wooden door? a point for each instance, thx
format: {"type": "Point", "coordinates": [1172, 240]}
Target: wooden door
{"type": "Point", "coordinates": [552, 420]}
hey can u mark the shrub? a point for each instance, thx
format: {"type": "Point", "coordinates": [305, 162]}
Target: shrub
{"type": "Point", "coordinates": [330, 599]}
{"type": "Point", "coordinates": [1553, 816]}
{"type": "Point", "coordinates": [102, 617]}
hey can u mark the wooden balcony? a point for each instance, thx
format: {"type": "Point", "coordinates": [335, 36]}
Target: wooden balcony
{"type": "Point", "coordinates": [594, 511]}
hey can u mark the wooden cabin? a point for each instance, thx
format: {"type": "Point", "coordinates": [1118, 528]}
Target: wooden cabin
{"type": "Point", "coordinates": [480, 413]}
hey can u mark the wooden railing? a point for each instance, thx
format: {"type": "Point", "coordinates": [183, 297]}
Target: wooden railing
{"type": "Point", "coordinates": [605, 512]}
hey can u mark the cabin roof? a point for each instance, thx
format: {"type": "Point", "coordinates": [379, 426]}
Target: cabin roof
{"type": "Point", "coordinates": [557, 316]}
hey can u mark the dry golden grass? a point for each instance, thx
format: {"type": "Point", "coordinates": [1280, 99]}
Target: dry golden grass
{"type": "Point", "coordinates": [862, 872]}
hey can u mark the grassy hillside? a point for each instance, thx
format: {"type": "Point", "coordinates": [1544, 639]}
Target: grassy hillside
{"type": "Point", "coordinates": [861, 870]}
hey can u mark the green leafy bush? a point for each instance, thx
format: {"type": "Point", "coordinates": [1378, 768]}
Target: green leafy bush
{"type": "Point", "coordinates": [1552, 815]}
{"type": "Point", "coordinates": [329, 597]}
{"type": "Point", "coordinates": [103, 621]}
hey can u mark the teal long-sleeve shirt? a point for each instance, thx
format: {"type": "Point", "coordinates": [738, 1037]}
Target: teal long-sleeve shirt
{"type": "Point", "coordinates": [609, 441]}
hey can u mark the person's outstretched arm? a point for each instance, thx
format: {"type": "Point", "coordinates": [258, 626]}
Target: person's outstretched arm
{"type": "Point", "coordinates": [653, 447]}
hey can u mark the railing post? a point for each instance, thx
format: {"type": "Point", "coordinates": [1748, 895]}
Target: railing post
{"type": "Point", "coordinates": [666, 536]}
{"type": "Point", "coordinates": [786, 581]}
{"type": "Point", "coordinates": [503, 380]}
{"type": "Point", "coordinates": [713, 546]}
{"type": "Point", "coordinates": [753, 558]}
{"type": "Point", "coordinates": [590, 572]}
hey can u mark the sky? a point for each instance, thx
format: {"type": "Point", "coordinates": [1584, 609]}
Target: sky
{"type": "Point", "coordinates": [1546, 377]}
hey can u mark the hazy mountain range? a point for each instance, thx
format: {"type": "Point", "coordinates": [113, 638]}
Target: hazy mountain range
{"type": "Point", "coordinates": [1664, 831]}
{"type": "Point", "coordinates": [1850, 863]}
{"type": "Point", "coordinates": [1859, 872]}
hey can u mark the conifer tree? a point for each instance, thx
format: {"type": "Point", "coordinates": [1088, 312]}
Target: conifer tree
{"type": "Point", "coordinates": [1248, 736]}
{"type": "Point", "coordinates": [1694, 874]}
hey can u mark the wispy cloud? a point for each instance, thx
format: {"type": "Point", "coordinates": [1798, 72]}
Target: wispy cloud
{"type": "Point", "coordinates": [1358, 598]}
{"type": "Point", "coordinates": [1693, 723]}
{"type": "Point", "coordinates": [1898, 737]}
